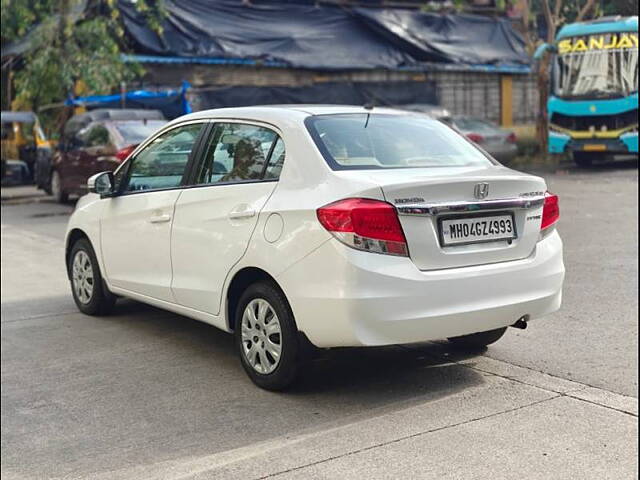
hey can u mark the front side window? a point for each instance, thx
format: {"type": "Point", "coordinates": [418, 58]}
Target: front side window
{"type": "Point", "coordinates": [163, 162]}
{"type": "Point", "coordinates": [240, 153]}
{"type": "Point", "coordinates": [382, 141]}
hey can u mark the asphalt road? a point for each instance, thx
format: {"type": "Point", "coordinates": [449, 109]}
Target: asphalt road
{"type": "Point", "coordinates": [149, 394]}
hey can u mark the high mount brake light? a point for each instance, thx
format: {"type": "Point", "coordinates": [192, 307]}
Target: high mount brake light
{"type": "Point", "coordinates": [365, 224]}
{"type": "Point", "coordinates": [550, 210]}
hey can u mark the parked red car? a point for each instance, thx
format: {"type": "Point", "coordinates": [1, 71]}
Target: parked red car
{"type": "Point", "coordinates": [96, 141]}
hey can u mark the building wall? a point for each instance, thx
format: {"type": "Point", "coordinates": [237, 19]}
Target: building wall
{"type": "Point", "coordinates": [525, 99]}
{"type": "Point", "coordinates": [468, 93]}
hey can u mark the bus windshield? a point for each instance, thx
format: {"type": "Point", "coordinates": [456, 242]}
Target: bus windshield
{"type": "Point", "coordinates": [597, 66]}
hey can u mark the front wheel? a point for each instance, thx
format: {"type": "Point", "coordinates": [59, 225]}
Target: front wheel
{"type": "Point", "coordinates": [89, 291]}
{"type": "Point", "coordinates": [266, 337]}
{"type": "Point", "coordinates": [476, 341]}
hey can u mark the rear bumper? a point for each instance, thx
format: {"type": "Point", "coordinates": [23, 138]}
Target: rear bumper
{"type": "Point", "coordinates": [343, 297]}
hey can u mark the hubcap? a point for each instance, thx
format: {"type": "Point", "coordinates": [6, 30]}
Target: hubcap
{"type": "Point", "coordinates": [55, 184]}
{"type": "Point", "coordinates": [82, 274]}
{"type": "Point", "coordinates": [261, 336]}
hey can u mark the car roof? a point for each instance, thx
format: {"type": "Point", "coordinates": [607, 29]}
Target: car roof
{"type": "Point", "coordinates": [11, 116]}
{"type": "Point", "coordinates": [119, 114]}
{"type": "Point", "coordinates": [78, 122]}
{"type": "Point", "coordinates": [275, 113]}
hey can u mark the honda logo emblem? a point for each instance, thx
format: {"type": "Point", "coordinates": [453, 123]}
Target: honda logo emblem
{"type": "Point", "coordinates": [481, 190]}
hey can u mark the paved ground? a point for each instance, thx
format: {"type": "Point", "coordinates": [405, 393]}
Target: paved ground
{"type": "Point", "coordinates": [149, 394]}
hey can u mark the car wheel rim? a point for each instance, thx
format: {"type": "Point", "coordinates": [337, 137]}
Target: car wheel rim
{"type": "Point", "coordinates": [82, 274]}
{"type": "Point", "coordinates": [261, 336]}
{"type": "Point", "coordinates": [55, 184]}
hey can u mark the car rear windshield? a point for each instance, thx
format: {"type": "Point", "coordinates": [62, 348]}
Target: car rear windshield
{"type": "Point", "coordinates": [469, 123]}
{"type": "Point", "coordinates": [135, 131]}
{"type": "Point", "coordinates": [380, 141]}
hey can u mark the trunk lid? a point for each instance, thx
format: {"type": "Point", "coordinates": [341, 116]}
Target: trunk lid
{"type": "Point", "coordinates": [442, 186]}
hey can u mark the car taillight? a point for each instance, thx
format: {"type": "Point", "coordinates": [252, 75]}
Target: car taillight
{"type": "Point", "coordinates": [475, 137]}
{"type": "Point", "coordinates": [123, 153]}
{"type": "Point", "coordinates": [550, 211]}
{"type": "Point", "coordinates": [512, 138]}
{"type": "Point", "coordinates": [365, 224]}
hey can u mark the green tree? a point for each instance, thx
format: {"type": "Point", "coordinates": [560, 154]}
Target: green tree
{"type": "Point", "coordinates": [71, 43]}
{"type": "Point", "coordinates": [555, 13]}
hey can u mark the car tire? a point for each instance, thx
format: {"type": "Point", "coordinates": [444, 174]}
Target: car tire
{"type": "Point", "coordinates": [476, 341]}
{"type": "Point", "coordinates": [257, 339]}
{"type": "Point", "coordinates": [583, 159]}
{"type": "Point", "coordinates": [55, 187]}
{"type": "Point", "coordinates": [89, 291]}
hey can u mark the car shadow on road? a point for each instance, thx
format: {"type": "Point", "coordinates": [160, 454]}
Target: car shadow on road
{"type": "Point", "coordinates": [143, 375]}
{"type": "Point", "coordinates": [371, 375]}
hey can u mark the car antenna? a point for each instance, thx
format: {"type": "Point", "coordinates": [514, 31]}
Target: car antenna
{"type": "Point", "coordinates": [368, 106]}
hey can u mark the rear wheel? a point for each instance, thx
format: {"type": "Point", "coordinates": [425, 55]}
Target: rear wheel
{"type": "Point", "coordinates": [478, 340]}
{"type": "Point", "coordinates": [89, 291]}
{"type": "Point", "coordinates": [266, 337]}
{"type": "Point", "coordinates": [55, 187]}
{"type": "Point", "coordinates": [583, 159]}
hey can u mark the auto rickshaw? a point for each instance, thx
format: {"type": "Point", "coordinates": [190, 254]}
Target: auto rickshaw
{"type": "Point", "coordinates": [24, 145]}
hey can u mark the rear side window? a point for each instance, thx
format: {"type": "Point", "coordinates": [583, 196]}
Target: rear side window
{"type": "Point", "coordinates": [162, 163]}
{"type": "Point", "coordinates": [241, 153]}
{"type": "Point", "coordinates": [380, 141]}
{"type": "Point", "coordinates": [276, 161]}
{"type": "Point", "coordinates": [94, 136]}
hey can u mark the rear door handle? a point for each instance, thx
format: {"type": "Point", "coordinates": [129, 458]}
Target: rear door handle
{"type": "Point", "coordinates": [236, 214]}
{"type": "Point", "coordinates": [159, 218]}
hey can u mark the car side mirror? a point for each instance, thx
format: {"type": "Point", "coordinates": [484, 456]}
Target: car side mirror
{"type": "Point", "coordinates": [101, 183]}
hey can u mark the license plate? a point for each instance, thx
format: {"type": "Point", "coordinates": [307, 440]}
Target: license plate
{"type": "Point", "coordinates": [457, 231]}
{"type": "Point", "coordinates": [594, 147]}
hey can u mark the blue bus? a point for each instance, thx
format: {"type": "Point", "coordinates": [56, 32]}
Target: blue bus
{"type": "Point", "coordinates": [593, 103]}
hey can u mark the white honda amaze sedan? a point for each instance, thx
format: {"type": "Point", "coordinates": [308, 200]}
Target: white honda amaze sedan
{"type": "Point", "coordinates": [325, 226]}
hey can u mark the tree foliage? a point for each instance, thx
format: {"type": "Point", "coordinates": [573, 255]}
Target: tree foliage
{"type": "Point", "coordinates": [555, 14]}
{"type": "Point", "coordinates": [75, 47]}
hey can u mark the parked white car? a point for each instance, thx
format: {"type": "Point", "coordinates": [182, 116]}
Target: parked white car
{"type": "Point", "coordinates": [322, 226]}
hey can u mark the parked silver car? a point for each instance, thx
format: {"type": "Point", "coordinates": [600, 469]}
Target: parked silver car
{"type": "Point", "coordinates": [498, 142]}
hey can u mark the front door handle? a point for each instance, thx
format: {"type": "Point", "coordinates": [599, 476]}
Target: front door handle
{"type": "Point", "coordinates": [159, 218]}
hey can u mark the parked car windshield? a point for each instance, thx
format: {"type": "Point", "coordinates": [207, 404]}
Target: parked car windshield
{"type": "Point", "coordinates": [376, 141]}
{"type": "Point", "coordinates": [596, 66]}
{"type": "Point", "coordinates": [136, 131]}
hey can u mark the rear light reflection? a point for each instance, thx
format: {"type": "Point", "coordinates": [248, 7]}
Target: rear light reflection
{"type": "Point", "coordinates": [550, 211]}
{"type": "Point", "coordinates": [123, 153]}
{"type": "Point", "coordinates": [365, 224]}
{"type": "Point", "coordinates": [475, 137]}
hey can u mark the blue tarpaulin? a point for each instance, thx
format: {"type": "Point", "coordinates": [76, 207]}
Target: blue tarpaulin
{"type": "Point", "coordinates": [172, 103]}
{"type": "Point", "coordinates": [323, 37]}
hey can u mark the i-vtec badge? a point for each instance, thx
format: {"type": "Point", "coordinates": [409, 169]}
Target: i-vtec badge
{"type": "Point", "coordinates": [481, 190]}
{"type": "Point", "coordinates": [401, 201]}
